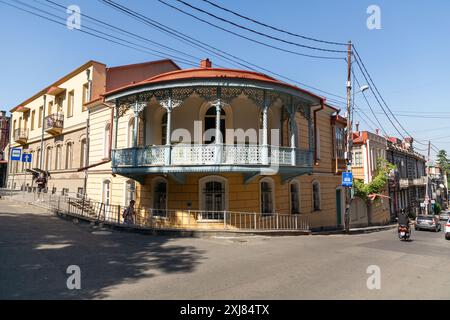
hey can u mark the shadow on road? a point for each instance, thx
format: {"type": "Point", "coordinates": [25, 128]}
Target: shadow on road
{"type": "Point", "coordinates": [36, 250]}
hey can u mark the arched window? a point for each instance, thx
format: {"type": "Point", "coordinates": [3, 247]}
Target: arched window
{"type": "Point", "coordinates": [130, 191]}
{"type": "Point", "coordinates": [130, 133]}
{"type": "Point", "coordinates": [106, 136]}
{"type": "Point", "coordinates": [38, 159]}
{"type": "Point", "coordinates": [160, 197]}
{"type": "Point", "coordinates": [210, 124]}
{"type": "Point", "coordinates": [164, 129]}
{"type": "Point", "coordinates": [69, 155]}
{"type": "Point", "coordinates": [58, 158]}
{"type": "Point", "coordinates": [106, 192]}
{"type": "Point", "coordinates": [213, 201]}
{"type": "Point", "coordinates": [316, 196]}
{"type": "Point", "coordinates": [48, 159]}
{"type": "Point", "coordinates": [83, 154]}
{"type": "Point", "coordinates": [267, 196]}
{"type": "Point", "coordinates": [294, 197]}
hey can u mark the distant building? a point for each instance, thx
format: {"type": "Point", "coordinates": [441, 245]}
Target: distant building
{"type": "Point", "coordinates": [368, 148]}
{"type": "Point", "coordinates": [4, 141]}
{"type": "Point", "coordinates": [437, 187]}
{"type": "Point", "coordinates": [408, 183]}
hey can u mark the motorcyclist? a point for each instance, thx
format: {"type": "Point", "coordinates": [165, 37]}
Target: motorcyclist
{"type": "Point", "coordinates": [403, 219]}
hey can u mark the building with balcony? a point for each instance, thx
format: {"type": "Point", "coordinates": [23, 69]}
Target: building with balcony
{"type": "Point", "coordinates": [53, 125]}
{"type": "Point", "coordinates": [407, 183]}
{"type": "Point", "coordinates": [4, 141]}
{"type": "Point", "coordinates": [368, 149]}
{"type": "Point", "coordinates": [437, 185]}
{"type": "Point", "coordinates": [216, 140]}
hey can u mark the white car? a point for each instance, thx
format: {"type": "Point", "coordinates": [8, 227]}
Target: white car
{"type": "Point", "coordinates": [447, 230]}
{"type": "Point", "coordinates": [444, 215]}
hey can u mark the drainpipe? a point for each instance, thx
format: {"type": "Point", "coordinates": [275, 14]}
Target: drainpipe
{"type": "Point", "coordinates": [41, 160]}
{"type": "Point", "coordinates": [322, 106]}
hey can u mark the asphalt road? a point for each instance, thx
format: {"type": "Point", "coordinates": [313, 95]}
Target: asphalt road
{"type": "Point", "coordinates": [36, 249]}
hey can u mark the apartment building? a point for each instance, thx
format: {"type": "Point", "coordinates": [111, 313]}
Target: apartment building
{"type": "Point", "coordinates": [4, 141]}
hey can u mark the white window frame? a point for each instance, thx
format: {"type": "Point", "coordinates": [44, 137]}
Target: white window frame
{"type": "Point", "coordinates": [202, 200]}
{"type": "Point", "coordinates": [102, 193]}
{"type": "Point", "coordinates": [272, 185]}
{"type": "Point", "coordinates": [106, 135]}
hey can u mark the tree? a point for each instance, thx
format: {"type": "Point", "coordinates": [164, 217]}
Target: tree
{"type": "Point", "coordinates": [378, 183]}
{"type": "Point", "coordinates": [443, 161]}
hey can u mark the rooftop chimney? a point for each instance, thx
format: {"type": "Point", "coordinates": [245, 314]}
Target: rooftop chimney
{"type": "Point", "coordinates": [357, 126]}
{"type": "Point", "coordinates": [377, 131]}
{"type": "Point", "coordinates": [206, 63]}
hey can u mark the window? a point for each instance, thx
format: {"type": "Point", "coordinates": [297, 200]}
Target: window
{"type": "Point", "coordinates": [83, 155]}
{"type": "Point", "coordinates": [48, 159]}
{"type": "Point", "coordinates": [294, 191]}
{"type": "Point", "coordinates": [160, 197]}
{"type": "Point", "coordinates": [164, 129]}
{"type": "Point", "coordinates": [358, 161]}
{"type": "Point", "coordinates": [65, 192]}
{"type": "Point", "coordinates": [340, 143]}
{"type": "Point", "coordinates": [80, 193]}
{"type": "Point", "coordinates": [267, 196]}
{"type": "Point", "coordinates": [58, 158]}
{"type": "Point", "coordinates": [213, 202]}
{"type": "Point", "coordinates": [86, 97]}
{"type": "Point", "coordinates": [50, 108]}
{"type": "Point", "coordinates": [316, 195]}
{"type": "Point", "coordinates": [69, 155]}
{"type": "Point", "coordinates": [41, 111]}
{"type": "Point", "coordinates": [33, 115]}
{"type": "Point", "coordinates": [106, 141]}
{"type": "Point", "coordinates": [38, 159]}
{"type": "Point", "coordinates": [210, 125]}
{"type": "Point", "coordinates": [70, 104]}
{"type": "Point", "coordinates": [14, 126]}
{"type": "Point", "coordinates": [59, 103]}
{"type": "Point", "coordinates": [106, 192]}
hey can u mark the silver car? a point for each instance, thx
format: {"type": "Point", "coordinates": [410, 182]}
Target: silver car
{"type": "Point", "coordinates": [428, 223]}
{"type": "Point", "coordinates": [444, 215]}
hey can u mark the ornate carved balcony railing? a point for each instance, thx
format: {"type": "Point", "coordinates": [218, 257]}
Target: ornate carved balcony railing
{"type": "Point", "coordinates": [21, 136]}
{"type": "Point", "coordinates": [198, 155]}
{"type": "Point", "coordinates": [54, 123]}
{"type": "Point", "coordinates": [422, 181]}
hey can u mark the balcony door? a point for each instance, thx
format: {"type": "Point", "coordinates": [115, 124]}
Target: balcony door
{"type": "Point", "coordinates": [210, 125]}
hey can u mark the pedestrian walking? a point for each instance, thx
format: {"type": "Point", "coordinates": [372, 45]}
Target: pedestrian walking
{"type": "Point", "coordinates": [129, 213]}
{"type": "Point", "coordinates": [41, 183]}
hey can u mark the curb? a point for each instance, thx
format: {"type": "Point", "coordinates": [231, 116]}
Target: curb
{"type": "Point", "coordinates": [357, 231]}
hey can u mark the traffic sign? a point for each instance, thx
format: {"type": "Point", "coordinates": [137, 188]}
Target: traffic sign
{"type": "Point", "coordinates": [27, 157]}
{"type": "Point", "coordinates": [16, 154]}
{"type": "Point", "coordinates": [347, 179]}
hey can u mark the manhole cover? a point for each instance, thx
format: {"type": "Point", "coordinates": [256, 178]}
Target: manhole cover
{"type": "Point", "coordinates": [101, 233]}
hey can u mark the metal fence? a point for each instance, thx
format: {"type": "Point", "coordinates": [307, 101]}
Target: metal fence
{"type": "Point", "coordinates": [162, 218]}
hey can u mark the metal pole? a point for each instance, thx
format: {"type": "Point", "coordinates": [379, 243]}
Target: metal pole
{"type": "Point", "coordinates": [41, 160]}
{"type": "Point", "coordinates": [427, 198]}
{"type": "Point", "coordinates": [349, 136]}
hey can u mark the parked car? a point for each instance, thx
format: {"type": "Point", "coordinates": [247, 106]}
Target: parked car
{"type": "Point", "coordinates": [428, 223]}
{"type": "Point", "coordinates": [447, 230]}
{"type": "Point", "coordinates": [445, 215]}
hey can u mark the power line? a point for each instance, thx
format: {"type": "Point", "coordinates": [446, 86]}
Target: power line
{"type": "Point", "coordinates": [248, 38]}
{"type": "Point", "coordinates": [255, 31]}
{"type": "Point", "coordinates": [126, 43]}
{"type": "Point", "coordinates": [272, 27]}
{"type": "Point", "coordinates": [112, 27]}
{"type": "Point", "coordinates": [211, 49]}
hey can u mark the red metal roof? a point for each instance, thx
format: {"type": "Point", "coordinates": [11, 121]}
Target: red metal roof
{"type": "Point", "coordinates": [211, 73]}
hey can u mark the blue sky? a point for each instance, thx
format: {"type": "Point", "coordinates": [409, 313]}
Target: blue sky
{"type": "Point", "coordinates": [407, 58]}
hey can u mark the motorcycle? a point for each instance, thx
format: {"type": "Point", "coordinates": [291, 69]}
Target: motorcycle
{"type": "Point", "coordinates": [404, 233]}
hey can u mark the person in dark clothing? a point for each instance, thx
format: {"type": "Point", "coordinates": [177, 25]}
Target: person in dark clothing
{"type": "Point", "coordinates": [403, 219]}
{"type": "Point", "coordinates": [41, 182]}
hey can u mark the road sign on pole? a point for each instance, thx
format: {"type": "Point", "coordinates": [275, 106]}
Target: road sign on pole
{"type": "Point", "coordinates": [347, 179]}
{"type": "Point", "coordinates": [27, 157]}
{"type": "Point", "coordinates": [16, 154]}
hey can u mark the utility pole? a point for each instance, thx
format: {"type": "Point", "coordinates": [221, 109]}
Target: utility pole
{"type": "Point", "coordinates": [349, 136]}
{"type": "Point", "coordinates": [427, 198]}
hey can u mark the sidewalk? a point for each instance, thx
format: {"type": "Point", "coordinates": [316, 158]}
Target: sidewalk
{"type": "Point", "coordinates": [370, 229]}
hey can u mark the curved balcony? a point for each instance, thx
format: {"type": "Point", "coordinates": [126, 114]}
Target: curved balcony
{"type": "Point", "coordinates": [209, 158]}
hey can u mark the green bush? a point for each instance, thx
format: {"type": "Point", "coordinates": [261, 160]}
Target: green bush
{"type": "Point", "coordinates": [437, 208]}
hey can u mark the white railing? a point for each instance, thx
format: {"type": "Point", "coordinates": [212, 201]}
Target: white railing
{"type": "Point", "coordinates": [198, 154]}
{"type": "Point", "coordinates": [162, 218]}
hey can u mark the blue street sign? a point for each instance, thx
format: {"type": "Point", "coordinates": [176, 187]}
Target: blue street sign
{"type": "Point", "coordinates": [27, 157]}
{"type": "Point", "coordinates": [347, 179]}
{"type": "Point", "coordinates": [16, 154]}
